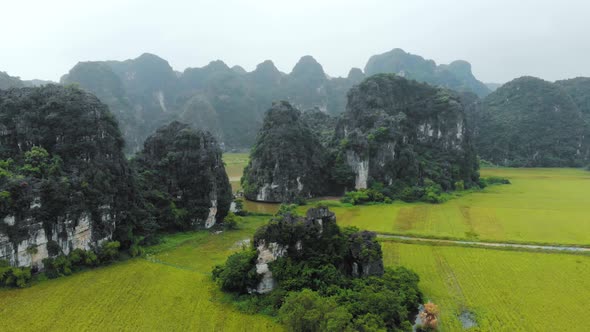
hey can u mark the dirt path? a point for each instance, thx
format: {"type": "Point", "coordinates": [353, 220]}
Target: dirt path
{"type": "Point", "coordinates": [489, 244]}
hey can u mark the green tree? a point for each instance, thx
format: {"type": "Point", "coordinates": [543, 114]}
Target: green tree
{"type": "Point", "coordinates": [239, 272]}
{"type": "Point", "coordinates": [308, 311]}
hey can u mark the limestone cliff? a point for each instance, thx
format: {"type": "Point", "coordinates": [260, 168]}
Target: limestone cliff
{"type": "Point", "coordinates": [402, 133]}
{"type": "Point", "coordinates": [288, 163]}
{"type": "Point", "coordinates": [63, 177]}
{"type": "Point", "coordinates": [183, 178]}
{"type": "Point", "coordinates": [308, 238]}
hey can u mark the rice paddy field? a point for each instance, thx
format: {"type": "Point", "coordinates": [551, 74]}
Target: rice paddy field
{"type": "Point", "coordinates": [540, 206]}
{"type": "Point", "coordinates": [501, 290]}
{"type": "Point", "coordinates": [498, 290]}
{"type": "Point", "coordinates": [234, 166]}
{"type": "Point", "coordinates": [169, 290]}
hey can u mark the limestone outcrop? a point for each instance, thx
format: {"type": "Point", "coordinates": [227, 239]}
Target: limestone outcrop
{"type": "Point", "coordinates": [529, 122]}
{"type": "Point", "coordinates": [64, 181]}
{"type": "Point", "coordinates": [400, 133]}
{"type": "Point", "coordinates": [288, 162]}
{"type": "Point", "coordinates": [301, 238]}
{"type": "Point", "coordinates": [184, 178]}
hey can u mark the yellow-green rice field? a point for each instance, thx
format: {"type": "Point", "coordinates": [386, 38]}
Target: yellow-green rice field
{"type": "Point", "coordinates": [505, 290]}
{"type": "Point", "coordinates": [171, 290]}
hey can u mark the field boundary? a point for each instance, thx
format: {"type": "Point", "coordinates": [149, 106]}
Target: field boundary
{"type": "Point", "coordinates": [482, 244]}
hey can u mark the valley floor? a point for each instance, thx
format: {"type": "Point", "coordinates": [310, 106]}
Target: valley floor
{"type": "Point", "coordinates": [168, 290]}
{"type": "Point", "coordinates": [541, 206]}
{"type": "Point", "coordinates": [500, 290]}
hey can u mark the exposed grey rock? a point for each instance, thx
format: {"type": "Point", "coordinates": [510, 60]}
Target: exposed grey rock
{"type": "Point", "coordinates": [79, 193]}
{"type": "Point", "coordinates": [366, 255]}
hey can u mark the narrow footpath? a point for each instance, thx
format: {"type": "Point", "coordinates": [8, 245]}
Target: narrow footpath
{"type": "Point", "coordinates": [488, 244]}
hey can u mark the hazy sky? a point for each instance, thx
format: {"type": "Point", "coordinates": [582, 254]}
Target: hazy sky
{"type": "Point", "coordinates": [502, 39]}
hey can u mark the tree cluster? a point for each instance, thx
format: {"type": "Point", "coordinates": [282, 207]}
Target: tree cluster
{"type": "Point", "coordinates": [329, 279]}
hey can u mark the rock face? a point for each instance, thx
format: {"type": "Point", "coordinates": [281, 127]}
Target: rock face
{"type": "Point", "coordinates": [366, 255]}
{"type": "Point", "coordinates": [184, 178]}
{"type": "Point", "coordinates": [64, 181]}
{"type": "Point", "coordinates": [288, 162]}
{"type": "Point", "coordinates": [531, 122]}
{"type": "Point", "coordinates": [302, 238]}
{"type": "Point", "coordinates": [397, 131]}
{"type": "Point", "coordinates": [456, 76]}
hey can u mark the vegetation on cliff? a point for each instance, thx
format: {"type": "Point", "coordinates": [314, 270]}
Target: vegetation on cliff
{"type": "Point", "coordinates": [62, 163]}
{"type": "Point", "coordinates": [66, 188]}
{"type": "Point", "coordinates": [529, 122]}
{"type": "Point", "coordinates": [288, 162]}
{"type": "Point", "coordinates": [321, 277]}
{"type": "Point", "coordinates": [182, 178]}
{"type": "Point", "coordinates": [407, 140]}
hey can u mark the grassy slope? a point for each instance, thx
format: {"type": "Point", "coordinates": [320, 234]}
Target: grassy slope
{"type": "Point", "coordinates": [170, 290]}
{"type": "Point", "coordinates": [507, 290]}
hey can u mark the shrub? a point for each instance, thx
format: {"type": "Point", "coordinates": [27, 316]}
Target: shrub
{"type": "Point", "coordinates": [239, 272]}
{"type": "Point", "coordinates": [308, 311]}
{"type": "Point", "coordinates": [230, 222]}
{"type": "Point", "coordinates": [433, 194]}
{"type": "Point", "coordinates": [14, 276]}
{"type": "Point", "coordinates": [109, 251]}
{"type": "Point", "coordinates": [240, 211]}
{"type": "Point", "coordinates": [411, 194]}
{"type": "Point", "coordinates": [496, 180]}
{"type": "Point", "coordinates": [363, 196]}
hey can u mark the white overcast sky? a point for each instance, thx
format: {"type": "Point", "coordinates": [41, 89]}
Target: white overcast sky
{"type": "Point", "coordinates": [502, 39]}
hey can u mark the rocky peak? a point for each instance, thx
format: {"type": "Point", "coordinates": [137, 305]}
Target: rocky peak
{"type": "Point", "coordinates": [456, 76]}
{"type": "Point", "coordinates": [266, 72]}
{"type": "Point", "coordinates": [461, 68]}
{"type": "Point", "coordinates": [544, 119]}
{"type": "Point", "coordinates": [398, 61]}
{"type": "Point", "coordinates": [356, 75]}
{"type": "Point", "coordinates": [287, 161]}
{"type": "Point", "coordinates": [185, 166]}
{"type": "Point", "coordinates": [308, 68]}
{"type": "Point", "coordinates": [390, 121]}
{"type": "Point", "coordinates": [7, 81]}
{"type": "Point", "coordinates": [239, 70]}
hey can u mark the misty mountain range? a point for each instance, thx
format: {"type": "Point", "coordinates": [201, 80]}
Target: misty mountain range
{"type": "Point", "coordinates": [146, 92]}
